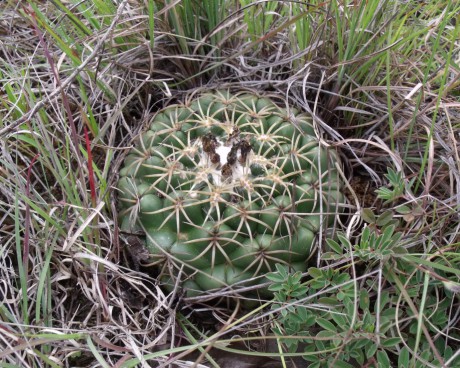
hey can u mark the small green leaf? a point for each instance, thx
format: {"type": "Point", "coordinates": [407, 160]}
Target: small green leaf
{"type": "Point", "coordinates": [294, 318]}
{"type": "Point", "coordinates": [368, 215]}
{"type": "Point", "coordinates": [358, 355]}
{"type": "Point", "coordinates": [282, 269]}
{"type": "Point", "coordinates": [385, 218]}
{"type": "Point", "coordinates": [403, 210]}
{"type": "Point", "coordinates": [360, 343]}
{"type": "Point", "coordinates": [403, 359]}
{"type": "Point", "coordinates": [324, 323]}
{"type": "Point", "coordinates": [370, 351]}
{"type": "Point", "coordinates": [300, 292]}
{"type": "Point", "coordinates": [387, 234]}
{"type": "Point", "coordinates": [295, 278]}
{"type": "Point", "coordinates": [341, 278]}
{"type": "Point", "coordinates": [364, 299]}
{"type": "Point", "coordinates": [392, 341]}
{"type": "Point", "coordinates": [364, 242]}
{"type": "Point", "coordinates": [319, 284]}
{"type": "Point", "coordinates": [334, 246]}
{"type": "Point", "coordinates": [394, 177]}
{"type": "Point", "coordinates": [448, 353]}
{"type": "Point", "coordinates": [385, 193]}
{"type": "Point", "coordinates": [303, 313]}
{"type": "Point", "coordinates": [384, 299]}
{"type": "Point", "coordinates": [320, 345]}
{"type": "Point", "coordinates": [316, 273]}
{"type": "Point", "coordinates": [349, 306]}
{"type": "Point", "coordinates": [275, 277]}
{"type": "Point", "coordinates": [389, 312]}
{"type": "Point", "coordinates": [399, 250]}
{"type": "Point", "coordinates": [327, 335]}
{"type": "Point", "coordinates": [340, 320]}
{"type": "Point", "coordinates": [396, 237]}
{"type": "Point", "coordinates": [383, 360]}
{"type": "Point", "coordinates": [276, 287]}
{"type": "Point", "coordinates": [345, 242]}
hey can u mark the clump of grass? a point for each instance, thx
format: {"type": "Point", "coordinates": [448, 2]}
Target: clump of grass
{"type": "Point", "coordinates": [80, 81]}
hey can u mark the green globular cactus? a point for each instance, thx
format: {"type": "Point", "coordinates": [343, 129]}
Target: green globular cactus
{"type": "Point", "coordinates": [226, 186]}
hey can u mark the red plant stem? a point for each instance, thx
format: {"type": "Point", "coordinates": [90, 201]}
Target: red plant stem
{"type": "Point", "coordinates": [92, 185]}
{"type": "Point", "coordinates": [26, 250]}
{"type": "Point", "coordinates": [102, 280]}
{"type": "Point", "coordinates": [50, 58]}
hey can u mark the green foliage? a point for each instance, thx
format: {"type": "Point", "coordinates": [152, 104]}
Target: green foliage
{"type": "Point", "coordinates": [259, 16]}
{"type": "Point", "coordinates": [396, 183]}
{"type": "Point", "coordinates": [333, 323]}
{"type": "Point", "coordinates": [379, 245]}
{"type": "Point", "coordinates": [194, 23]}
{"type": "Point", "coordinates": [318, 317]}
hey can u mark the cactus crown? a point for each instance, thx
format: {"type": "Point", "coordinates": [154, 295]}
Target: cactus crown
{"type": "Point", "coordinates": [226, 186]}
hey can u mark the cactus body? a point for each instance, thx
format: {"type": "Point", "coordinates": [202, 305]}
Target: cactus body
{"type": "Point", "coordinates": [225, 187]}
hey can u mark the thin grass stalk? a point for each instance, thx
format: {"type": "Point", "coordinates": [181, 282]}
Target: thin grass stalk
{"type": "Point", "coordinates": [448, 61]}
{"type": "Point", "coordinates": [151, 15]}
{"type": "Point", "coordinates": [27, 224]}
{"type": "Point", "coordinates": [415, 311]}
{"type": "Point", "coordinates": [388, 83]}
{"type": "Point", "coordinates": [22, 272]}
{"type": "Point", "coordinates": [420, 318]}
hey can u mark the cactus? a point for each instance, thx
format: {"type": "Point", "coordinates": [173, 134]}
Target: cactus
{"type": "Point", "coordinates": [226, 186]}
